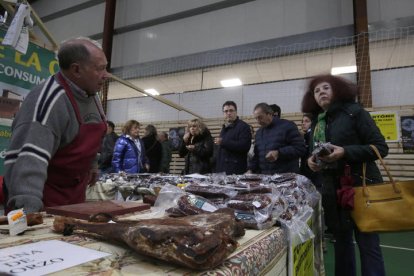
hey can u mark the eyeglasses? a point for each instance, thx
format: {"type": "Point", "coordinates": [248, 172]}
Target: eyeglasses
{"type": "Point", "coordinates": [229, 111]}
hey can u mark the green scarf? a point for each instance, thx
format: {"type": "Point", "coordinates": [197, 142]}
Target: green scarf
{"type": "Point", "coordinates": [319, 133]}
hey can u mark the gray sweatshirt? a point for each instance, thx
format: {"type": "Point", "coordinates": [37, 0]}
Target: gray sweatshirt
{"type": "Point", "coordinates": [45, 123]}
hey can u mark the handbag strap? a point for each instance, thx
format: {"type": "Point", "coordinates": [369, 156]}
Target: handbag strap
{"type": "Point", "coordinates": [374, 148]}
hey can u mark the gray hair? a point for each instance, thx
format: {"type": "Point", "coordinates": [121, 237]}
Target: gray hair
{"type": "Point", "coordinates": [75, 50]}
{"type": "Point", "coordinates": [264, 107]}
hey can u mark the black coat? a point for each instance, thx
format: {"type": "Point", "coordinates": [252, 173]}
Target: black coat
{"type": "Point", "coordinates": [281, 135]}
{"type": "Point", "coordinates": [198, 160]}
{"type": "Point", "coordinates": [107, 150]}
{"type": "Point", "coordinates": [350, 126]}
{"type": "Point", "coordinates": [153, 150]}
{"type": "Point", "coordinates": [235, 144]}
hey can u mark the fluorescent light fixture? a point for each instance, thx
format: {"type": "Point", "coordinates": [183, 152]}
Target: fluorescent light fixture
{"type": "Point", "coordinates": [231, 82]}
{"type": "Point", "coordinates": [152, 91]}
{"type": "Point", "coordinates": [343, 70]}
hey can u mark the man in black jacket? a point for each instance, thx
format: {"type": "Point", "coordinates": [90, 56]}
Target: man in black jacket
{"type": "Point", "coordinates": [278, 144]}
{"type": "Point", "coordinates": [233, 143]}
{"type": "Point", "coordinates": [107, 149]}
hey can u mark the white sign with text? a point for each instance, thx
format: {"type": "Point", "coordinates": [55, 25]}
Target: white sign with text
{"type": "Point", "coordinates": [45, 257]}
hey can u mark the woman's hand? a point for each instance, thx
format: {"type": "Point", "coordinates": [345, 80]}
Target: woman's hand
{"type": "Point", "coordinates": [190, 147]}
{"type": "Point", "coordinates": [313, 165]}
{"type": "Point", "coordinates": [186, 137]}
{"type": "Point", "coordinates": [337, 153]}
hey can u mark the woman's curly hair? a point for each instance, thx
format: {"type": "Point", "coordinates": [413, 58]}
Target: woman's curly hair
{"type": "Point", "coordinates": [342, 90]}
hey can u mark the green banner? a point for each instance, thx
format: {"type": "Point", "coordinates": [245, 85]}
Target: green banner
{"type": "Point", "coordinates": [27, 70]}
{"type": "Point", "coordinates": [5, 134]}
{"type": "Point", "coordinates": [18, 75]}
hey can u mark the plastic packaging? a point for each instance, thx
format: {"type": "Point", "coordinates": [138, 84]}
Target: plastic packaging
{"type": "Point", "coordinates": [17, 222]}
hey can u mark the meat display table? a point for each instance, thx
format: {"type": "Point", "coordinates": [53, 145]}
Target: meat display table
{"type": "Point", "coordinates": [109, 191]}
{"type": "Point", "coordinates": [259, 253]}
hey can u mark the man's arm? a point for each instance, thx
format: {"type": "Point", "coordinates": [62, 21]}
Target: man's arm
{"type": "Point", "coordinates": [36, 137]}
{"type": "Point", "coordinates": [295, 147]}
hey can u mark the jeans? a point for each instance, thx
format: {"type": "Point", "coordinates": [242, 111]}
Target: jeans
{"type": "Point", "coordinates": [372, 263]}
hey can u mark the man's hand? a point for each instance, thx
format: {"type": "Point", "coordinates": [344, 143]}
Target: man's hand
{"type": "Point", "coordinates": [217, 140]}
{"type": "Point", "coordinates": [272, 155]}
{"type": "Point", "coordinates": [93, 176]}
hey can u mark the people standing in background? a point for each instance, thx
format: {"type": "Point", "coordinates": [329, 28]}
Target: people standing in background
{"type": "Point", "coordinates": [197, 148]}
{"type": "Point", "coordinates": [166, 152]}
{"type": "Point", "coordinates": [129, 151]}
{"type": "Point", "coordinates": [278, 144]}
{"type": "Point", "coordinates": [351, 130]}
{"type": "Point", "coordinates": [306, 132]}
{"type": "Point", "coordinates": [250, 154]}
{"type": "Point", "coordinates": [153, 148]}
{"type": "Point", "coordinates": [233, 142]}
{"type": "Point", "coordinates": [57, 133]}
{"type": "Point", "coordinates": [277, 111]}
{"type": "Point", "coordinates": [107, 149]}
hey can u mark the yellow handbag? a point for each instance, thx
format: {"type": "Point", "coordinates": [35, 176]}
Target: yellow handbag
{"type": "Point", "coordinates": [384, 207]}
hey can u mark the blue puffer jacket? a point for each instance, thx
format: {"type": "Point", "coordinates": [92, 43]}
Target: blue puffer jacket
{"type": "Point", "coordinates": [126, 156]}
{"type": "Point", "coordinates": [281, 135]}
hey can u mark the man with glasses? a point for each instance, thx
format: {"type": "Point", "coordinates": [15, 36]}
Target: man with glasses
{"type": "Point", "coordinates": [233, 143]}
{"type": "Point", "coordinates": [278, 143]}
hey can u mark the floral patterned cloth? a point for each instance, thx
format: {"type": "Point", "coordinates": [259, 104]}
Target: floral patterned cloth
{"type": "Point", "coordinates": [259, 252]}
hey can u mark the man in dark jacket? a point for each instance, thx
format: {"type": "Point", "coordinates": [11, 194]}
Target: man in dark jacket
{"type": "Point", "coordinates": [166, 152]}
{"type": "Point", "coordinates": [233, 143]}
{"type": "Point", "coordinates": [107, 149]}
{"type": "Point", "coordinates": [278, 145]}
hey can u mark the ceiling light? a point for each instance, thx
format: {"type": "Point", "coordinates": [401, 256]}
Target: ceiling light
{"type": "Point", "coordinates": [231, 82]}
{"type": "Point", "coordinates": [152, 91]}
{"type": "Point", "coordinates": [343, 70]}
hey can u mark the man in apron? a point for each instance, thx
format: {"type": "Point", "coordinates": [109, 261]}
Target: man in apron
{"type": "Point", "coordinates": [58, 132]}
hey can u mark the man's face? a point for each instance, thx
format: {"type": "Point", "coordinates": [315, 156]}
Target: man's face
{"type": "Point", "coordinates": [109, 129]}
{"type": "Point", "coordinates": [230, 113]}
{"type": "Point", "coordinates": [262, 118]}
{"type": "Point", "coordinates": [92, 74]}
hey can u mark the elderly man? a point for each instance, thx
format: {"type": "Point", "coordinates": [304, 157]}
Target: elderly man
{"type": "Point", "coordinates": [233, 143]}
{"type": "Point", "coordinates": [278, 145]}
{"type": "Point", "coordinates": [58, 132]}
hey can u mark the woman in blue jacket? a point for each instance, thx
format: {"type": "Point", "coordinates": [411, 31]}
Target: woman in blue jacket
{"type": "Point", "coordinates": [129, 152]}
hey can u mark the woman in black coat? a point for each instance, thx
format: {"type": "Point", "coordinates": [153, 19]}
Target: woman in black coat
{"type": "Point", "coordinates": [197, 148]}
{"type": "Point", "coordinates": [153, 148]}
{"type": "Point", "coordinates": [338, 119]}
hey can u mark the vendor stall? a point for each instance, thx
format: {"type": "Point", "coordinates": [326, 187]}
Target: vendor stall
{"type": "Point", "coordinates": [259, 252]}
{"type": "Point", "coordinates": [280, 215]}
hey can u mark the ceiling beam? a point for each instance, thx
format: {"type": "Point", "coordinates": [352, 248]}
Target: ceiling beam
{"type": "Point", "coordinates": [362, 53]}
{"type": "Point", "coordinates": [158, 98]}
